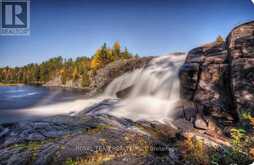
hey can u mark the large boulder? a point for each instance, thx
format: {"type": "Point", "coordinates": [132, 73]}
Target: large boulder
{"type": "Point", "coordinates": [219, 77]}
{"type": "Point", "coordinates": [241, 56]}
{"type": "Point", "coordinates": [204, 80]}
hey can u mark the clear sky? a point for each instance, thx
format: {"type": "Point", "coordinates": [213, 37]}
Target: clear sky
{"type": "Point", "coordinates": [72, 28]}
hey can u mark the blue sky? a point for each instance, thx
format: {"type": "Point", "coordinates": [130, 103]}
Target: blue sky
{"type": "Point", "coordinates": [148, 27]}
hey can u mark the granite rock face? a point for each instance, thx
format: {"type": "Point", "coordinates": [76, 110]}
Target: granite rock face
{"type": "Point", "coordinates": [219, 77]}
{"type": "Point", "coordinates": [241, 57]}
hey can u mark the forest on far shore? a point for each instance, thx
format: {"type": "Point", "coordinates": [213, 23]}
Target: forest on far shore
{"type": "Point", "coordinates": [67, 69]}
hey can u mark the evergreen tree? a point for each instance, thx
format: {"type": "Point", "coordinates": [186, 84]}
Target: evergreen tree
{"type": "Point", "coordinates": [219, 40]}
{"type": "Point", "coordinates": [126, 53]}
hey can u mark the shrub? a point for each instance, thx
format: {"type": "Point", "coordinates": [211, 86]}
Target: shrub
{"type": "Point", "coordinates": [196, 151]}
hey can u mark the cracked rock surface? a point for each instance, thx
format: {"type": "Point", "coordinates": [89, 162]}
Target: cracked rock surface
{"type": "Point", "coordinates": [218, 78]}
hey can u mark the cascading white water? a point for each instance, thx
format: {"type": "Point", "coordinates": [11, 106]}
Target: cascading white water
{"type": "Point", "coordinates": [154, 92]}
{"type": "Point", "coordinates": [153, 96]}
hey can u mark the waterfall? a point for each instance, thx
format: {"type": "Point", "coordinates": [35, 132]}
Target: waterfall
{"type": "Point", "coordinates": [152, 96]}
{"type": "Point", "coordinates": [154, 90]}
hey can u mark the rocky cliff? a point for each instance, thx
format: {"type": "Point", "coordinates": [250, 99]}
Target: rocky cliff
{"type": "Point", "coordinates": [217, 79]}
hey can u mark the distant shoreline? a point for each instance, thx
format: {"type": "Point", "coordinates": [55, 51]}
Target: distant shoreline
{"type": "Point", "coordinates": [19, 84]}
{"type": "Point", "coordinates": [10, 84]}
{"type": "Point", "coordinates": [42, 85]}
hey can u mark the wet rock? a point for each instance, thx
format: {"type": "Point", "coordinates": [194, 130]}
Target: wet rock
{"type": "Point", "coordinates": [35, 137]}
{"type": "Point", "coordinates": [1, 128]}
{"type": "Point", "coordinates": [4, 132]}
{"type": "Point", "coordinates": [12, 140]}
{"type": "Point", "coordinates": [188, 74]}
{"type": "Point", "coordinates": [53, 134]}
{"type": "Point", "coordinates": [124, 93]}
{"type": "Point", "coordinates": [200, 123]}
{"type": "Point", "coordinates": [98, 108]}
{"type": "Point", "coordinates": [22, 158]}
{"type": "Point", "coordinates": [47, 154]}
{"type": "Point", "coordinates": [40, 125]}
{"type": "Point", "coordinates": [4, 155]}
{"type": "Point", "coordinates": [189, 111]}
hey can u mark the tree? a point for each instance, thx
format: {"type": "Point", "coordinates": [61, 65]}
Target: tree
{"type": "Point", "coordinates": [75, 74]}
{"type": "Point", "coordinates": [66, 69]}
{"type": "Point", "coordinates": [117, 46]}
{"type": "Point", "coordinates": [85, 80]}
{"type": "Point", "coordinates": [44, 72]}
{"type": "Point", "coordinates": [96, 61]}
{"type": "Point", "coordinates": [116, 51]}
{"type": "Point", "coordinates": [105, 55]}
{"type": "Point", "coordinates": [102, 57]}
{"type": "Point", "coordinates": [63, 76]}
{"type": "Point", "coordinates": [126, 54]}
{"type": "Point", "coordinates": [219, 40]}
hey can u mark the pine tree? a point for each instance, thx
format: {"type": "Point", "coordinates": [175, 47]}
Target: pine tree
{"type": "Point", "coordinates": [126, 53]}
{"type": "Point", "coordinates": [219, 40]}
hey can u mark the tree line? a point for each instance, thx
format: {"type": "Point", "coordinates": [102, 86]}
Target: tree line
{"type": "Point", "coordinates": [67, 69]}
